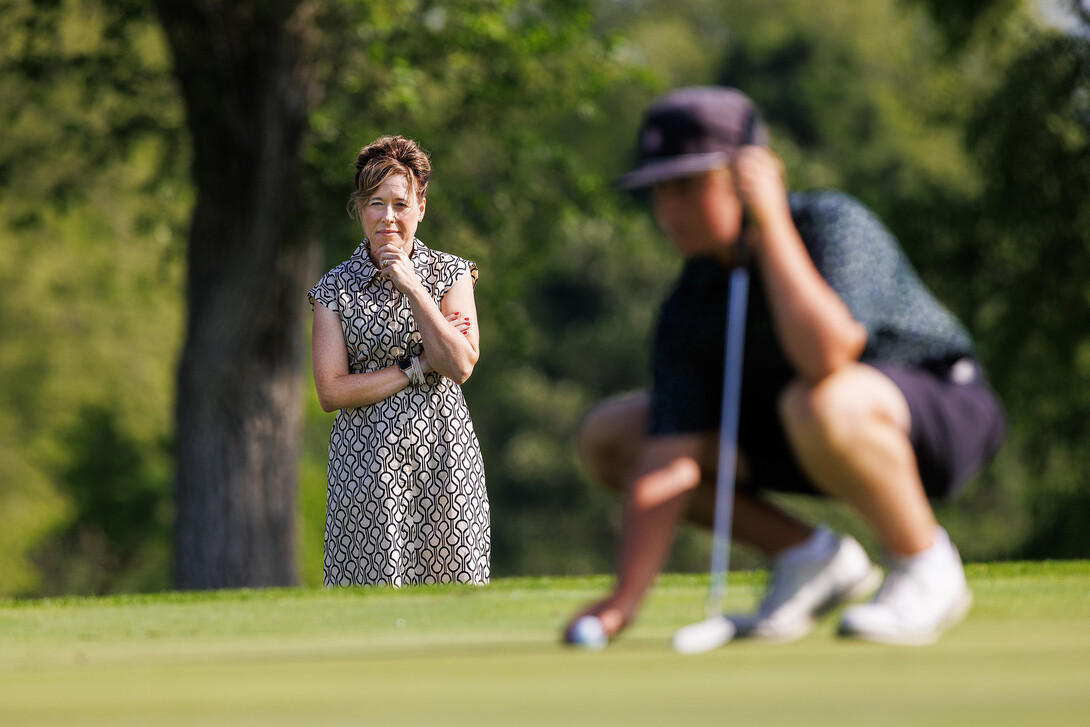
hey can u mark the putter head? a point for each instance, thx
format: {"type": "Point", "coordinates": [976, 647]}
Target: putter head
{"type": "Point", "coordinates": [711, 633]}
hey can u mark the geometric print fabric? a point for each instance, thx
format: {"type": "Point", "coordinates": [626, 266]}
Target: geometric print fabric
{"type": "Point", "coordinates": [406, 500]}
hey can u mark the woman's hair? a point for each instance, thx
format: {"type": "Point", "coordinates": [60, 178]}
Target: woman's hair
{"type": "Point", "coordinates": [383, 158]}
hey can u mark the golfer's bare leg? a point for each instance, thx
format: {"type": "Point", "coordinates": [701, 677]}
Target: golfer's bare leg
{"type": "Point", "coordinates": [610, 441]}
{"type": "Point", "coordinates": [757, 522]}
{"type": "Point", "coordinates": [666, 474]}
{"type": "Point", "coordinates": [850, 435]}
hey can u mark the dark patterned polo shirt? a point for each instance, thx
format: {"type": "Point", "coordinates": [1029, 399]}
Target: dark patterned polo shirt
{"type": "Point", "coordinates": [861, 261]}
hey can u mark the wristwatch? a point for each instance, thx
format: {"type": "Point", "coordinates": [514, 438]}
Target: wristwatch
{"type": "Point", "coordinates": [406, 366]}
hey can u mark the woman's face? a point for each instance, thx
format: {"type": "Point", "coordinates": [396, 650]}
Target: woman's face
{"type": "Point", "coordinates": [701, 215]}
{"type": "Point", "coordinates": [391, 213]}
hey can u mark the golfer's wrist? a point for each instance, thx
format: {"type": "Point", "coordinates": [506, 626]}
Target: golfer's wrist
{"type": "Point", "coordinates": [771, 217]}
{"type": "Point", "coordinates": [775, 230]}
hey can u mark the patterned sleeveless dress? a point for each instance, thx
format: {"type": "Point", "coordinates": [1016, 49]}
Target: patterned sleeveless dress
{"type": "Point", "coordinates": [406, 500]}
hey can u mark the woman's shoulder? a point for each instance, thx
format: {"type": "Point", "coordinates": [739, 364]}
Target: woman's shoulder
{"type": "Point", "coordinates": [357, 262]}
{"type": "Point", "coordinates": [439, 257]}
{"type": "Point", "coordinates": [446, 267]}
{"type": "Point", "coordinates": [352, 267]}
{"type": "Point", "coordinates": [347, 275]}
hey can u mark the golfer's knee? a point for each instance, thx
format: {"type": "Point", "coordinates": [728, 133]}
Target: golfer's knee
{"type": "Point", "coordinates": [593, 447]}
{"type": "Point", "coordinates": [828, 415]}
{"type": "Point", "coordinates": [608, 439]}
{"type": "Point", "coordinates": [677, 478]}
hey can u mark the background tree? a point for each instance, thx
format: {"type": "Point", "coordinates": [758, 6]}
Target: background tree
{"type": "Point", "coordinates": [136, 146]}
{"type": "Point", "coordinates": [247, 86]}
{"type": "Point", "coordinates": [246, 74]}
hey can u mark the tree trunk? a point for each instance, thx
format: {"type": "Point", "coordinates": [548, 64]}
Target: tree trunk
{"type": "Point", "coordinates": [243, 72]}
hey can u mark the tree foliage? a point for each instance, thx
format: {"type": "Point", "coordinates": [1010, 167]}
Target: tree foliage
{"type": "Point", "coordinates": [92, 203]}
{"type": "Point", "coordinates": [246, 76]}
{"type": "Point", "coordinates": [1033, 244]}
{"type": "Point", "coordinates": [964, 125]}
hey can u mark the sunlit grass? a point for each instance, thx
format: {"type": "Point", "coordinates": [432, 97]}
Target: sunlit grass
{"type": "Point", "coordinates": [465, 655]}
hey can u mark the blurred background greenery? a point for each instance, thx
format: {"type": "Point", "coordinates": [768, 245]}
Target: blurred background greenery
{"type": "Point", "coordinates": [964, 125]}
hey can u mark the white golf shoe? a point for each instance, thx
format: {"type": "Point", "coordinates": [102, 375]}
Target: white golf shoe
{"type": "Point", "coordinates": [807, 581]}
{"type": "Point", "coordinates": [922, 596]}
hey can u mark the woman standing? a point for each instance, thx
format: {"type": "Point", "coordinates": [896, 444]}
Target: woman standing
{"type": "Point", "coordinates": [394, 337]}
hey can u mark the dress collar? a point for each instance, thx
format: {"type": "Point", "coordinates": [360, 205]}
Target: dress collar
{"type": "Point", "coordinates": [419, 258]}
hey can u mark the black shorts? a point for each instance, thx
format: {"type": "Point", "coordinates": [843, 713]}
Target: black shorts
{"type": "Point", "coordinates": [957, 427]}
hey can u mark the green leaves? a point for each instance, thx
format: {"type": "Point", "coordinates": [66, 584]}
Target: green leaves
{"type": "Point", "coordinates": [964, 127]}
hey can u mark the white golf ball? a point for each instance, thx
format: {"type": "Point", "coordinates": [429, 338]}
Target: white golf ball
{"type": "Point", "coordinates": [587, 633]}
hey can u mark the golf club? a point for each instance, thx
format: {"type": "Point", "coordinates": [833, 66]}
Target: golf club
{"type": "Point", "coordinates": [716, 629]}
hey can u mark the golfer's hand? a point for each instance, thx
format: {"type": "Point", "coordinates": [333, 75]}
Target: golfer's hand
{"type": "Point", "coordinates": [393, 261]}
{"type": "Point", "coordinates": [760, 185]}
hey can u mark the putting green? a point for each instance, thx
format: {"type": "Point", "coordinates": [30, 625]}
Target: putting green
{"type": "Point", "coordinates": [473, 656]}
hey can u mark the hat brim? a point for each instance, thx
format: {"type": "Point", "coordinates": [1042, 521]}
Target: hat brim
{"type": "Point", "coordinates": [654, 171]}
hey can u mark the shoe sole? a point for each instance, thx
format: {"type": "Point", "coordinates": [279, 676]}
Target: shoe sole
{"type": "Point", "coordinates": [859, 590]}
{"type": "Point", "coordinates": [957, 613]}
{"type": "Point", "coordinates": [865, 587]}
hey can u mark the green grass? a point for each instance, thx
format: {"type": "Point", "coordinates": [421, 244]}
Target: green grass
{"type": "Point", "coordinates": [472, 656]}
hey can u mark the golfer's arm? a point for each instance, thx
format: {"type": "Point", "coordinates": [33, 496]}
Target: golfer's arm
{"type": "Point", "coordinates": [816, 330]}
{"type": "Point", "coordinates": [336, 387]}
{"type": "Point", "coordinates": [667, 475]}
